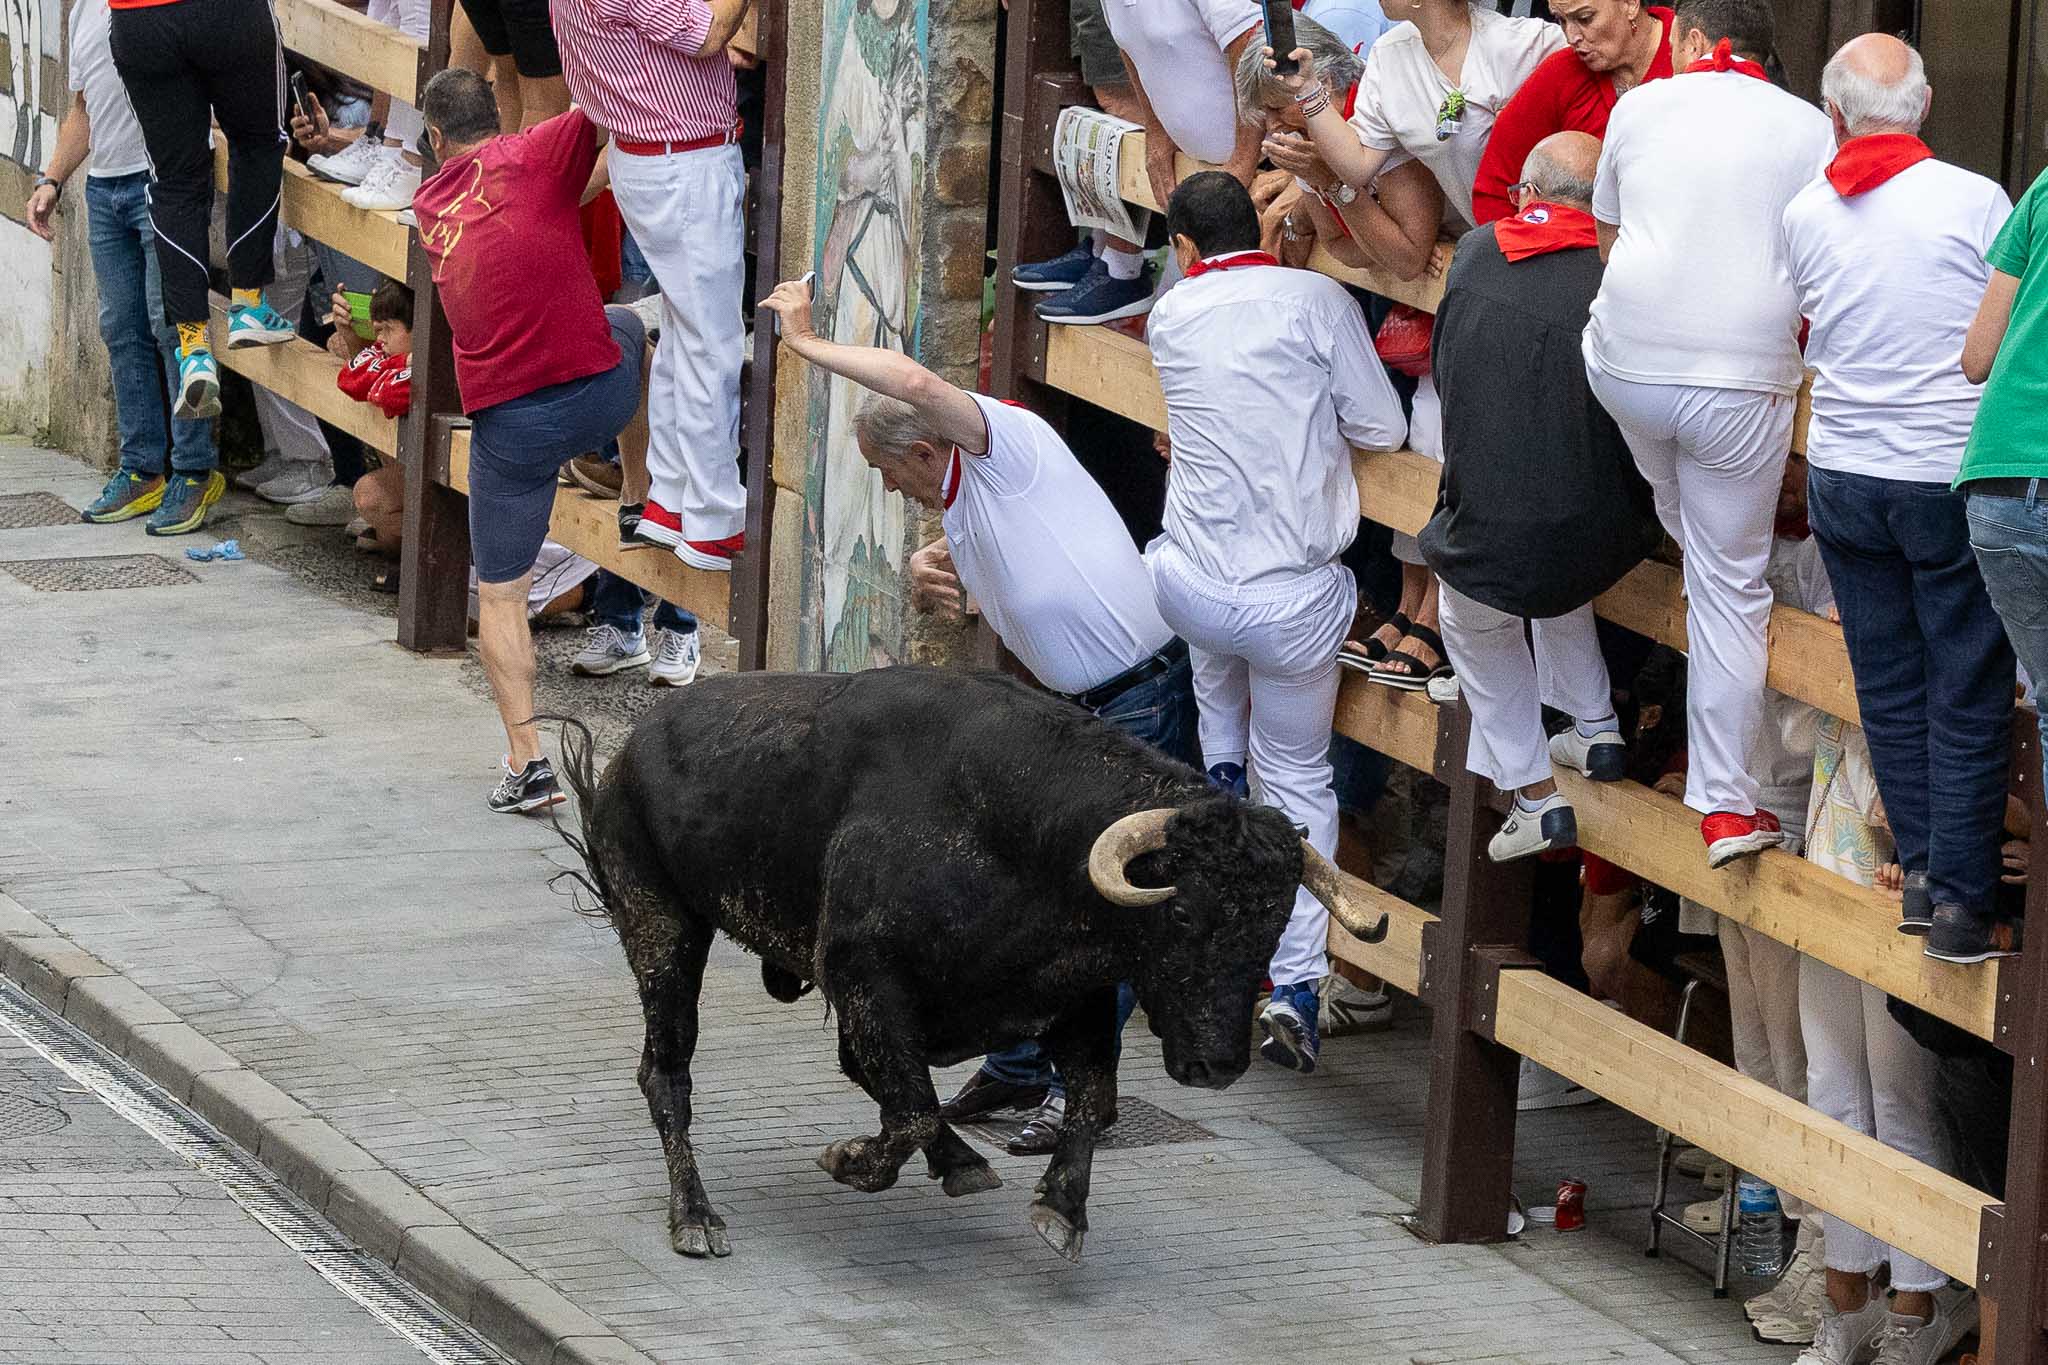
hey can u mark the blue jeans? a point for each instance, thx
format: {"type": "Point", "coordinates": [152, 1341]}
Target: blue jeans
{"type": "Point", "coordinates": [616, 602]}
{"type": "Point", "coordinates": [1161, 711]}
{"type": "Point", "coordinates": [1933, 672]}
{"type": "Point", "coordinates": [2010, 538]}
{"type": "Point", "coordinates": [142, 349]}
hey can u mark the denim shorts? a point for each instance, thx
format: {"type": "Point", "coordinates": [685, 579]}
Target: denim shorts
{"type": "Point", "coordinates": [517, 447]}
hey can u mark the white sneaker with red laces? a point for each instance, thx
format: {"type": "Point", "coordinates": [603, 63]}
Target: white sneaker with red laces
{"type": "Point", "coordinates": [1730, 836]}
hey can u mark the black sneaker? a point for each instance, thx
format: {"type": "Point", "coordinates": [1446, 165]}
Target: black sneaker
{"type": "Point", "coordinates": [532, 788]}
{"type": "Point", "coordinates": [1916, 905]}
{"type": "Point", "coordinates": [629, 528]}
{"type": "Point", "coordinates": [1959, 936]}
{"type": "Point", "coordinates": [1042, 1133]}
{"type": "Point", "coordinates": [984, 1094]}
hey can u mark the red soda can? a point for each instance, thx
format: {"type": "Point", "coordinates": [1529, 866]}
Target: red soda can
{"type": "Point", "coordinates": [1571, 1204]}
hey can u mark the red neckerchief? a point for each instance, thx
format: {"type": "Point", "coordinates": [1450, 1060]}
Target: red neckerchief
{"type": "Point", "coordinates": [1231, 260]}
{"type": "Point", "coordinates": [1864, 163]}
{"type": "Point", "coordinates": [1723, 58]}
{"type": "Point", "coordinates": [1544, 227]}
{"type": "Point", "coordinates": [950, 488]}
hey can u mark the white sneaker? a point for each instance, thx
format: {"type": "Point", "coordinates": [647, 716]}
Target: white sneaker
{"type": "Point", "coordinates": [648, 310]}
{"type": "Point", "coordinates": [1778, 1301]}
{"type": "Point", "coordinates": [1703, 1217]}
{"type": "Point", "coordinates": [299, 483]}
{"type": "Point", "coordinates": [1542, 1088]}
{"type": "Point", "coordinates": [608, 650]}
{"type": "Point", "coordinates": [1443, 691]}
{"type": "Point", "coordinates": [1347, 1009]}
{"type": "Point", "coordinates": [273, 465]}
{"type": "Point", "coordinates": [676, 659]}
{"type": "Point", "coordinates": [1842, 1337]}
{"type": "Point", "coordinates": [390, 186]}
{"type": "Point", "coordinates": [353, 163]}
{"type": "Point", "coordinates": [406, 218]}
{"type": "Point", "coordinates": [333, 507]}
{"type": "Point", "coordinates": [1797, 1321]}
{"type": "Point", "coordinates": [1602, 757]}
{"type": "Point", "coordinates": [1551, 825]}
{"type": "Point", "coordinates": [1914, 1341]}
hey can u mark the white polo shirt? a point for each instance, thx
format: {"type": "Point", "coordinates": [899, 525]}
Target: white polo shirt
{"type": "Point", "coordinates": [1052, 565]}
{"type": "Point", "coordinates": [1697, 171]}
{"type": "Point", "coordinates": [1890, 280]}
{"type": "Point", "coordinates": [1269, 379]}
{"type": "Point", "coordinates": [116, 137]}
{"type": "Point", "coordinates": [1177, 47]}
{"type": "Point", "coordinates": [1403, 90]}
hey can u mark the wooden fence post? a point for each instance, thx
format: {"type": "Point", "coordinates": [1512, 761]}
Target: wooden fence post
{"type": "Point", "coordinates": [2017, 1275]}
{"type": "Point", "coordinates": [1038, 80]}
{"type": "Point", "coordinates": [1482, 927]}
{"type": "Point", "coordinates": [751, 568]}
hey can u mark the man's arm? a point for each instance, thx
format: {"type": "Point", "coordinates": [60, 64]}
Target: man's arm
{"type": "Point", "coordinates": [1987, 329]}
{"type": "Point", "coordinates": [1244, 157]}
{"type": "Point", "coordinates": [74, 143]}
{"type": "Point", "coordinates": [1368, 409]}
{"type": "Point", "coordinates": [700, 28]}
{"type": "Point", "coordinates": [952, 413]}
{"type": "Point", "coordinates": [1606, 232]}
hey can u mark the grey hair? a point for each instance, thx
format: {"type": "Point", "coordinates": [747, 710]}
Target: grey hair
{"type": "Point", "coordinates": [1870, 105]}
{"type": "Point", "coordinates": [1332, 60]}
{"type": "Point", "coordinates": [462, 105]}
{"type": "Point", "coordinates": [1553, 182]}
{"type": "Point", "coordinates": [889, 427]}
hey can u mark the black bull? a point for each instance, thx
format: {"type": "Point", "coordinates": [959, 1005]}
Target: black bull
{"type": "Point", "coordinates": [958, 863]}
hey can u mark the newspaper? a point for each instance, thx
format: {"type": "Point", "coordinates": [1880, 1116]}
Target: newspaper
{"type": "Point", "coordinates": [1084, 153]}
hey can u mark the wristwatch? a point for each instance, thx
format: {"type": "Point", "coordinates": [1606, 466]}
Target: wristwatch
{"type": "Point", "coordinates": [1343, 195]}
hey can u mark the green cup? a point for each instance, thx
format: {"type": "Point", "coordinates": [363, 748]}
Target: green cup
{"type": "Point", "coordinates": [359, 312]}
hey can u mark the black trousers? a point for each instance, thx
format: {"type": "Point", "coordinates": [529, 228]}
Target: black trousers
{"type": "Point", "coordinates": [185, 64]}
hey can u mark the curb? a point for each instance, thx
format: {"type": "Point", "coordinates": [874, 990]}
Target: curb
{"type": "Point", "coordinates": [371, 1205]}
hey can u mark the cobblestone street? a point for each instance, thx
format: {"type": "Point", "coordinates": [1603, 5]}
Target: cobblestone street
{"type": "Point", "coordinates": [239, 794]}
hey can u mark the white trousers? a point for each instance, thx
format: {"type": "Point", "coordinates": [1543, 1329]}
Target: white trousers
{"type": "Point", "coordinates": [687, 212]}
{"type": "Point", "coordinates": [1508, 685]}
{"type": "Point", "coordinates": [1863, 1069]}
{"type": "Point", "coordinates": [1763, 1016]}
{"type": "Point", "coordinates": [1265, 666]}
{"type": "Point", "coordinates": [1714, 458]}
{"type": "Point", "coordinates": [410, 17]}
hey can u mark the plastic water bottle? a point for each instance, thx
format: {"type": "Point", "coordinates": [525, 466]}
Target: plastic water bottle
{"type": "Point", "coordinates": [1759, 1229]}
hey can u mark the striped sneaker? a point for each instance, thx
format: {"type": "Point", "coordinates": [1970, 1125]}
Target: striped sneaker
{"type": "Point", "coordinates": [126, 495]}
{"type": "Point", "coordinates": [257, 324]}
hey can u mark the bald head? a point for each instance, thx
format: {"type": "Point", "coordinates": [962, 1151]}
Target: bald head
{"type": "Point", "coordinates": [1560, 168]}
{"type": "Point", "coordinates": [1875, 84]}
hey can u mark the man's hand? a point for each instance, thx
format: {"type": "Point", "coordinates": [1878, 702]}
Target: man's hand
{"type": "Point", "coordinates": [1285, 233]}
{"type": "Point", "coordinates": [315, 134]}
{"type": "Point", "coordinates": [1159, 154]}
{"type": "Point", "coordinates": [791, 304]}
{"type": "Point", "coordinates": [1162, 447]}
{"type": "Point", "coordinates": [42, 202]}
{"type": "Point", "coordinates": [934, 582]}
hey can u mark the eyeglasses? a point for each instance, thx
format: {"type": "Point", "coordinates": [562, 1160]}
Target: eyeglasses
{"type": "Point", "coordinates": [1515, 190]}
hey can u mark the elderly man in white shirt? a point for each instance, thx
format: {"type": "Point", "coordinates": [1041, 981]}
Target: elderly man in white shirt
{"type": "Point", "coordinates": [1269, 379]}
{"type": "Point", "coordinates": [1693, 348]}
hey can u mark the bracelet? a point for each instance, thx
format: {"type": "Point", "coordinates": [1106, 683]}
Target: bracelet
{"type": "Point", "coordinates": [52, 182]}
{"type": "Point", "coordinates": [1314, 103]}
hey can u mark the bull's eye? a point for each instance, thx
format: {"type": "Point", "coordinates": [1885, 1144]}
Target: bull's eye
{"type": "Point", "coordinates": [1181, 917]}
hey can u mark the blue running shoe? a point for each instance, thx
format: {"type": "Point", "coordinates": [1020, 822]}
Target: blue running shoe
{"type": "Point", "coordinates": [1289, 1020]}
{"type": "Point", "coordinates": [186, 501]}
{"type": "Point", "coordinates": [1229, 777]}
{"type": "Point", "coordinates": [257, 324]}
{"type": "Point", "coordinates": [126, 495]}
{"type": "Point", "coordinates": [1061, 272]}
{"type": "Point", "coordinates": [1100, 297]}
{"type": "Point", "coordinates": [198, 387]}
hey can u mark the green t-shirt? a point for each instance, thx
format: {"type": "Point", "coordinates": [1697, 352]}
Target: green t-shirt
{"type": "Point", "coordinates": [2009, 439]}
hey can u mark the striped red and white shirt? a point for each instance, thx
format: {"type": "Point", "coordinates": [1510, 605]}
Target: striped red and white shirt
{"type": "Point", "coordinates": [631, 64]}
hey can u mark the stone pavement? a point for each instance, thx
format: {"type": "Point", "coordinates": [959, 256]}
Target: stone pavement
{"type": "Point", "coordinates": [241, 794]}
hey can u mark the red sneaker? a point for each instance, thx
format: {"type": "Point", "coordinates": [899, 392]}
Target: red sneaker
{"type": "Point", "coordinates": [1730, 836]}
{"type": "Point", "coordinates": [715, 555]}
{"type": "Point", "coordinates": [659, 525]}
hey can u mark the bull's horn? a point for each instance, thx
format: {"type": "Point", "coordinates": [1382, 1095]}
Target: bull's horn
{"type": "Point", "coordinates": [1114, 848]}
{"type": "Point", "coordinates": [1323, 882]}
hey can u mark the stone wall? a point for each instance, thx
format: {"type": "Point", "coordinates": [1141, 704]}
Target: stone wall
{"type": "Point", "coordinates": [33, 95]}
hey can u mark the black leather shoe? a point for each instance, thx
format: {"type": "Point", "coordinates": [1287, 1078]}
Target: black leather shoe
{"type": "Point", "coordinates": [1042, 1133]}
{"type": "Point", "coordinates": [984, 1094]}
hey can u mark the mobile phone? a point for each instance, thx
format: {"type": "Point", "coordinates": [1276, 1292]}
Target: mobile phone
{"type": "Point", "coordinates": [1280, 34]}
{"type": "Point", "coordinates": [301, 99]}
{"type": "Point", "coordinates": [809, 281]}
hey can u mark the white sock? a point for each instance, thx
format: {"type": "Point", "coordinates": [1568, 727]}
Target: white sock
{"type": "Point", "coordinates": [1529, 805]}
{"type": "Point", "coordinates": [1098, 238]}
{"type": "Point", "coordinates": [1123, 265]}
{"type": "Point", "coordinates": [1589, 728]}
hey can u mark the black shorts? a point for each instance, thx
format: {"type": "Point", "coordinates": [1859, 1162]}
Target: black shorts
{"type": "Point", "coordinates": [518, 29]}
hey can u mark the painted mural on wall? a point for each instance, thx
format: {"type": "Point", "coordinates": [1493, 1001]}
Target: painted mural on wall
{"type": "Point", "coordinates": [871, 112]}
{"type": "Point", "coordinates": [34, 30]}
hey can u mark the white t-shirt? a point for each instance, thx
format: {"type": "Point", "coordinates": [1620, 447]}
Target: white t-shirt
{"type": "Point", "coordinates": [1177, 47]}
{"type": "Point", "coordinates": [1697, 171]}
{"type": "Point", "coordinates": [1039, 547]}
{"type": "Point", "coordinates": [1890, 280]}
{"type": "Point", "coordinates": [116, 137]}
{"type": "Point", "coordinates": [1269, 379]}
{"type": "Point", "coordinates": [1403, 90]}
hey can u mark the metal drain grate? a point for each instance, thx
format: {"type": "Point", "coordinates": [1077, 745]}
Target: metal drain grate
{"type": "Point", "coordinates": [23, 1117]}
{"type": "Point", "coordinates": [97, 573]}
{"type": "Point", "coordinates": [1139, 1123]}
{"type": "Point", "coordinates": [19, 511]}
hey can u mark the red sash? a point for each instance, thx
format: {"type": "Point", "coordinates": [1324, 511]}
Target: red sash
{"type": "Point", "coordinates": [1723, 58]}
{"type": "Point", "coordinates": [1864, 163]}
{"type": "Point", "coordinates": [1545, 227]}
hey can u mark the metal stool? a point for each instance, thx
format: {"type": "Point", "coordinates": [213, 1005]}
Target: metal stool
{"type": "Point", "coordinates": [1701, 969]}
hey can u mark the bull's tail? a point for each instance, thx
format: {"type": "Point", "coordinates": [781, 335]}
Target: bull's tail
{"type": "Point", "coordinates": [579, 769]}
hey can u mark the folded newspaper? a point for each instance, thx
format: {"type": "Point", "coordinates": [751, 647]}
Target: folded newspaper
{"type": "Point", "coordinates": [1084, 153]}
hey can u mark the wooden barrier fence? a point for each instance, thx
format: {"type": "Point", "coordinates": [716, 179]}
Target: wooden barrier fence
{"type": "Point", "coordinates": [432, 441]}
{"type": "Point", "coordinates": [1489, 1004]}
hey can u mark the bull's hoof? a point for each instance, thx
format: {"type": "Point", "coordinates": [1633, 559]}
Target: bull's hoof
{"type": "Point", "coordinates": [848, 1162]}
{"type": "Point", "coordinates": [706, 1238]}
{"type": "Point", "coordinates": [1058, 1231]}
{"type": "Point", "coordinates": [976, 1179]}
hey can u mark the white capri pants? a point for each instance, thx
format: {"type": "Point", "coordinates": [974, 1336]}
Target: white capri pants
{"type": "Point", "coordinates": [1265, 666]}
{"type": "Point", "coordinates": [1714, 458]}
{"type": "Point", "coordinates": [1863, 1069]}
{"type": "Point", "coordinates": [1425, 437]}
{"type": "Point", "coordinates": [687, 212]}
{"type": "Point", "coordinates": [410, 17]}
{"type": "Point", "coordinates": [1508, 685]}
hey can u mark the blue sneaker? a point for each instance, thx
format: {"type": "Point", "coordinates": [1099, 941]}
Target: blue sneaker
{"type": "Point", "coordinates": [186, 501]}
{"type": "Point", "coordinates": [126, 495]}
{"type": "Point", "coordinates": [1289, 1020]}
{"type": "Point", "coordinates": [257, 324]}
{"type": "Point", "coordinates": [1100, 297]}
{"type": "Point", "coordinates": [1229, 777]}
{"type": "Point", "coordinates": [1061, 272]}
{"type": "Point", "coordinates": [198, 387]}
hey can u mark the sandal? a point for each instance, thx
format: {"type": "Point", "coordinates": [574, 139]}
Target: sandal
{"type": "Point", "coordinates": [1363, 654]}
{"type": "Point", "coordinates": [1416, 675]}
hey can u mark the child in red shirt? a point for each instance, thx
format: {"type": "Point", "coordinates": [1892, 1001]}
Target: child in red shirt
{"type": "Point", "coordinates": [378, 372]}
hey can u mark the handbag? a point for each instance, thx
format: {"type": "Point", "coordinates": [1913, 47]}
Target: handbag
{"type": "Point", "coordinates": [1403, 340]}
